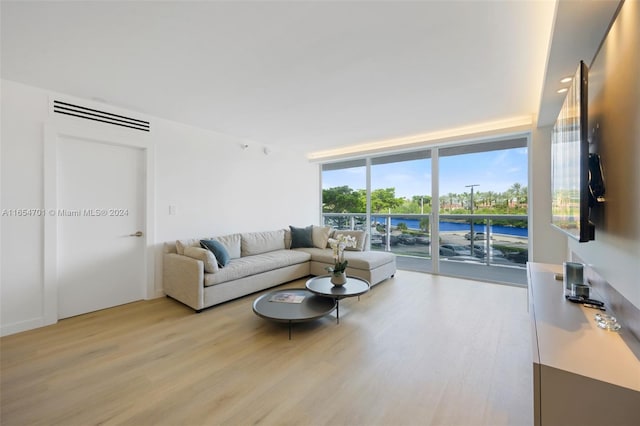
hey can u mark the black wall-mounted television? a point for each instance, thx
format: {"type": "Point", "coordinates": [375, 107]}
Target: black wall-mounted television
{"type": "Point", "coordinates": [570, 162]}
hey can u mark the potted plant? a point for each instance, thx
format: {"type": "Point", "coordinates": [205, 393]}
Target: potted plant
{"type": "Point", "coordinates": [338, 244]}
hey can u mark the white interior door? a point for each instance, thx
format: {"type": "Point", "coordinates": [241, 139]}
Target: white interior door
{"type": "Point", "coordinates": [100, 199]}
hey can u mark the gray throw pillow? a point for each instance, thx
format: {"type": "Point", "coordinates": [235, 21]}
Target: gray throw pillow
{"type": "Point", "coordinates": [218, 250]}
{"type": "Point", "coordinates": [301, 237]}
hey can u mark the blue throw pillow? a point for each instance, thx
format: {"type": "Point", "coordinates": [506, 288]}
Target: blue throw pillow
{"type": "Point", "coordinates": [218, 250]}
{"type": "Point", "coordinates": [301, 237]}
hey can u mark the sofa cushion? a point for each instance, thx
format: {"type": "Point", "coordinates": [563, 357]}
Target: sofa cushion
{"type": "Point", "coordinates": [301, 237]}
{"type": "Point", "coordinates": [190, 242]}
{"type": "Point", "coordinates": [360, 236]}
{"type": "Point", "coordinates": [218, 250]}
{"type": "Point", "coordinates": [207, 257]}
{"type": "Point", "coordinates": [256, 264]}
{"type": "Point", "coordinates": [170, 247]}
{"type": "Point", "coordinates": [366, 260]}
{"type": "Point", "coordinates": [261, 242]}
{"type": "Point", "coordinates": [320, 236]}
{"type": "Point", "coordinates": [232, 243]}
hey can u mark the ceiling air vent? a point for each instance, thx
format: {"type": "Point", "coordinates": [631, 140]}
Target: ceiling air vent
{"type": "Point", "coordinates": [97, 115]}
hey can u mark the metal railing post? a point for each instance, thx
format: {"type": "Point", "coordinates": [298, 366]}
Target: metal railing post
{"type": "Point", "coordinates": [387, 233]}
{"type": "Point", "coordinates": [487, 243]}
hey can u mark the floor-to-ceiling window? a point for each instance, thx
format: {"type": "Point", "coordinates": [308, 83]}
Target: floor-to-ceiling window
{"type": "Point", "coordinates": [483, 208]}
{"type": "Point", "coordinates": [476, 227]}
{"type": "Point", "coordinates": [401, 203]}
{"type": "Point", "coordinates": [344, 194]}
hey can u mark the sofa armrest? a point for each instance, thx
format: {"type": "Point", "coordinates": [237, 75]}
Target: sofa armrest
{"type": "Point", "coordinates": [183, 279]}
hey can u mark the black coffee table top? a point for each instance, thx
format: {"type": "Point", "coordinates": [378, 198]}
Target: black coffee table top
{"type": "Point", "coordinates": [312, 306]}
{"type": "Point", "coordinates": [322, 285]}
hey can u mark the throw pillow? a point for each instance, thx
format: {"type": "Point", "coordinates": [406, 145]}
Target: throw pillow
{"type": "Point", "coordinates": [360, 236]}
{"type": "Point", "coordinates": [218, 251]}
{"type": "Point", "coordinates": [320, 236]}
{"type": "Point", "coordinates": [332, 234]}
{"type": "Point", "coordinates": [301, 237]}
{"type": "Point", "coordinates": [207, 257]}
{"type": "Point", "coordinates": [287, 238]}
{"type": "Point", "coordinates": [181, 244]}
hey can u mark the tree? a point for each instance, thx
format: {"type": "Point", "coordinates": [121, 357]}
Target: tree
{"type": "Point", "coordinates": [450, 199]}
{"type": "Point", "coordinates": [524, 195]}
{"type": "Point", "coordinates": [489, 197]}
{"type": "Point", "coordinates": [443, 201]}
{"type": "Point", "coordinates": [384, 199]}
{"type": "Point", "coordinates": [343, 199]}
{"type": "Point", "coordinates": [518, 193]}
{"type": "Point", "coordinates": [422, 200]}
{"type": "Point", "coordinates": [465, 198]}
{"type": "Point", "coordinates": [424, 224]}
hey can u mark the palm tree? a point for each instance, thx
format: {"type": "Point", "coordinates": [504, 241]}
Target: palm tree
{"type": "Point", "coordinates": [516, 192]}
{"type": "Point", "coordinates": [443, 201]}
{"type": "Point", "coordinates": [452, 197]}
{"type": "Point", "coordinates": [489, 198]}
{"type": "Point", "coordinates": [464, 199]}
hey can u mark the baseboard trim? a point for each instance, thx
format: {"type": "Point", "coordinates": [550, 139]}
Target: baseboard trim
{"type": "Point", "coordinates": [19, 327]}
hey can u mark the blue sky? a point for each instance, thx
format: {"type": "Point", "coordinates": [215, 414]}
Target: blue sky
{"type": "Point", "coordinates": [494, 171]}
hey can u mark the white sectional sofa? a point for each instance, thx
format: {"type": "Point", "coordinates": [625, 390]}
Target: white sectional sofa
{"type": "Point", "coordinates": [195, 276]}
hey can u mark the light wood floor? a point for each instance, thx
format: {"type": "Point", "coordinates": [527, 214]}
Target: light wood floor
{"type": "Point", "coordinates": [415, 350]}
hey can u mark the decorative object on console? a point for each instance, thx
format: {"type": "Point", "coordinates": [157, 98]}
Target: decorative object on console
{"type": "Point", "coordinates": [573, 274]}
{"type": "Point", "coordinates": [580, 290]}
{"type": "Point", "coordinates": [607, 322]}
{"type": "Point", "coordinates": [339, 244]}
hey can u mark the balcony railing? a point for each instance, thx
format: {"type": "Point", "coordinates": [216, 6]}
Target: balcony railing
{"type": "Point", "coordinates": [493, 240]}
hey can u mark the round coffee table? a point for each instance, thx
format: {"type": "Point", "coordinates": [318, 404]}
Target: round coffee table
{"type": "Point", "coordinates": [280, 306]}
{"type": "Point", "coordinates": [322, 286]}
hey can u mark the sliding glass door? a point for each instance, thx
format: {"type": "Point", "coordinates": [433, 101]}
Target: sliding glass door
{"type": "Point", "coordinates": [401, 205]}
{"type": "Point", "coordinates": [483, 210]}
{"type": "Point", "coordinates": [458, 210]}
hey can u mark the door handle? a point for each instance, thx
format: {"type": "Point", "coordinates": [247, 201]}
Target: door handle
{"type": "Point", "coordinates": [137, 234]}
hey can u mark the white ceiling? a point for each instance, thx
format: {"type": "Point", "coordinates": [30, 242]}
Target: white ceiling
{"type": "Point", "coordinates": [304, 75]}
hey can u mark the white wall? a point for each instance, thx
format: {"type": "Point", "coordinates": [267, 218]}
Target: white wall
{"type": "Point", "coordinates": [614, 103]}
{"type": "Point", "coordinates": [548, 244]}
{"type": "Point", "coordinates": [215, 186]}
{"type": "Point", "coordinates": [21, 270]}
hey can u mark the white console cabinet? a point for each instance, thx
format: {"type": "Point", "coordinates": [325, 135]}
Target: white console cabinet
{"type": "Point", "coordinates": [582, 374]}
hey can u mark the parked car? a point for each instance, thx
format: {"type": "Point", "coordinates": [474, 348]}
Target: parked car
{"type": "Point", "coordinates": [376, 240]}
{"type": "Point", "coordinates": [392, 241]}
{"type": "Point", "coordinates": [479, 250]}
{"type": "Point", "coordinates": [476, 236]}
{"type": "Point", "coordinates": [423, 240]}
{"type": "Point", "coordinates": [453, 252]}
{"type": "Point", "coordinates": [447, 252]}
{"type": "Point", "coordinates": [406, 239]}
{"type": "Point", "coordinates": [457, 249]}
{"type": "Point", "coordinates": [519, 257]}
